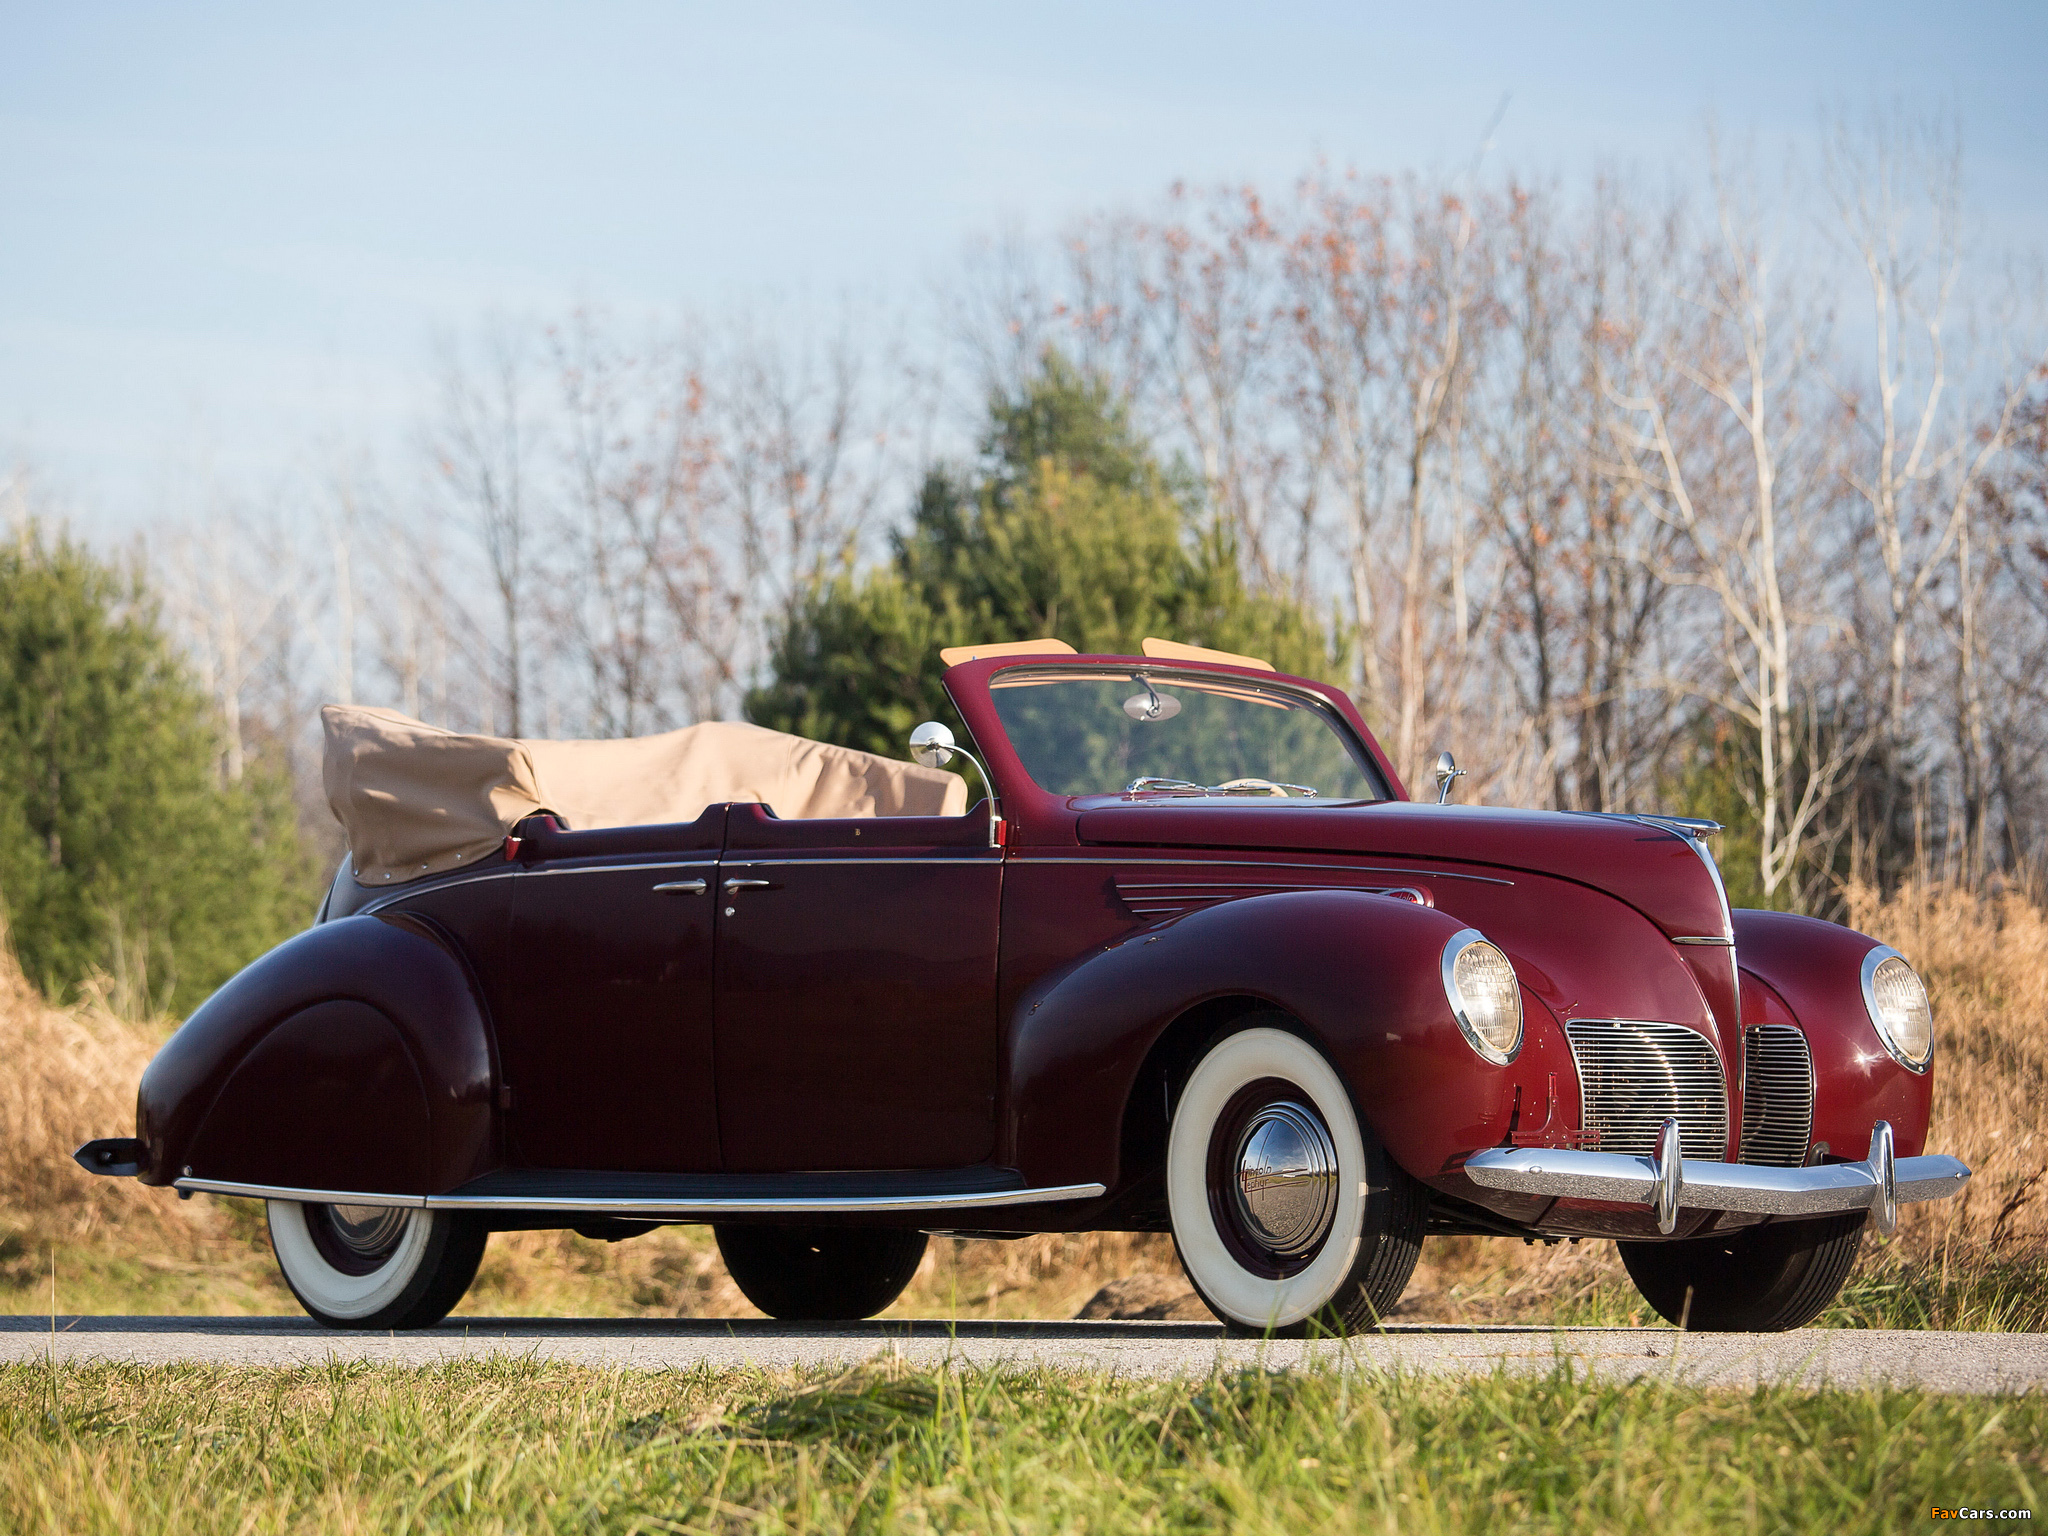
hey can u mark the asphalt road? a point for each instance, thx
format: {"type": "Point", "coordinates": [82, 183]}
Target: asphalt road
{"type": "Point", "coordinates": [1949, 1362]}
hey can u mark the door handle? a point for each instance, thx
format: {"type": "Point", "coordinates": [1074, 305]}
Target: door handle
{"type": "Point", "coordinates": [686, 887]}
{"type": "Point", "coordinates": [748, 885]}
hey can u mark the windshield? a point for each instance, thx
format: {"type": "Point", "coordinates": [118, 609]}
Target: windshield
{"type": "Point", "coordinates": [1093, 733]}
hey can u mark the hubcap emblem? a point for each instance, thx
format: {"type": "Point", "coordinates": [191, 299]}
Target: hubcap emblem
{"type": "Point", "coordinates": [1286, 1179]}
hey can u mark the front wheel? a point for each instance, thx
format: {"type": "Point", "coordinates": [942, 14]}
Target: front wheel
{"type": "Point", "coordinates": [1287, 1212]}
{"type": "Point", "coordinates": [375, 1266]}
{"type": "Point", "coordinates": [819, 1274]}
{"type": "Point", "coordinates": [1763, 1280]}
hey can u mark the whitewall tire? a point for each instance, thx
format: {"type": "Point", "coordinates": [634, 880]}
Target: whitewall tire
{"type": "Point", "coordinates": [1288, 1215]}
{"type": "Point", "coordinates": [355, 1266]}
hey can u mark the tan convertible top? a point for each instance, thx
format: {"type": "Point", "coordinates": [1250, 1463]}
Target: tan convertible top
{"type": "Point", "coordinates": [416, 799]}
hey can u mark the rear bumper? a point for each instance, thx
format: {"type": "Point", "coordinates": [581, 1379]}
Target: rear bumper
{"type": "Point", "coordinates": [1668, 1183]}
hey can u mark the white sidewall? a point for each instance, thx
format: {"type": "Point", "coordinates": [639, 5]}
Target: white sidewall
{"type": "Point", "coordinates": [1250, 1300]}
{"type": "Point", "coordinates": [327, 1290]}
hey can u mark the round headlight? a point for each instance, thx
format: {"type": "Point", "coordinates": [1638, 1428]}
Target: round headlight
{"type": "Point", "coordinates": [1898, 1007]}
{"type": "Point", "coordinates": [1485, 997]}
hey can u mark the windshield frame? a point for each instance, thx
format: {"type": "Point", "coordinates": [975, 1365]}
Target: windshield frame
{"type": "Point", "coordinates": [971, 686]}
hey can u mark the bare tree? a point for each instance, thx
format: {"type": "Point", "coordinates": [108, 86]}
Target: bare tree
{"type": "Point", "coordinates": [1735, 461]}
{"type": "Point", "coordinates": [482, 447]}
{"type": "Point", "coordinates": [220, 605]}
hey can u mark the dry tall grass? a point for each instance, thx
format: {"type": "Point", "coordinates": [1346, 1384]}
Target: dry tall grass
{"type": "Point", "coordinates": [71, 1075]}
{"type": "Point", "coordinates": [119, 1247]}
{"type": "Point", "coordinates": [1985, 961]}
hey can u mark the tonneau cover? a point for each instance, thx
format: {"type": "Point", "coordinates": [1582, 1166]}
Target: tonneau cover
{"type": "Point", "coordinates": [417, 800]}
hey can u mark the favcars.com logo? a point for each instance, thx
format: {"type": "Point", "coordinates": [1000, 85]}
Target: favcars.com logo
{"type": "Point", "coordinates": [1964, 1512]}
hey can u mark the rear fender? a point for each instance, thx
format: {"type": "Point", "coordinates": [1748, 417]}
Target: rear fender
{"type": "Point", "coordinates": [1362, 974]}
{"type": "Point", "coordinates": [356, 1056]}
{"type": "Point", "coordinates": [1803, 971]}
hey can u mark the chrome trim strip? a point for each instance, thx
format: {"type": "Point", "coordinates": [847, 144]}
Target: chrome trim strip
{"type": "Point", "coordinates": [1703, 939]}
{"type": "Point", "coordinates": [583, 1205]}
{"type": "Point", "coordinates": [1198, 887]}
{"type": "Point", "coordinates": [618, 869]}
{"type": "Point", "coordinates": [992, 861]}
{"type": "Point", "coordinates": [741, 1205]}
{"type": "Point", "coordinates": [1567, 1173]}
{"type": "Point", "coordinates": [1694, 834]}
{"type": "Point", "coordinates": [1697, 841]}
{"type": "Point", "coordinates": [1113, 860]}
{"type": "Point", "coordinates": [385, 898]}
{"type": "Point", "coordinates": [1166, 898]}
{"type": "Point", "coordinates": [302, 1196]}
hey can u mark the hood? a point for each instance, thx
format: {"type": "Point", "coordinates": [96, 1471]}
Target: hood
{"type": "Point", "coordinates": [1664, 875]}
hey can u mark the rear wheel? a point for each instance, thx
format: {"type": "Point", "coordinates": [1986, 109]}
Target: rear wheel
{"type": "Point", "coordinates": [1763, 1280]}
{"type": "Point", "coordinates": [1288, 1215]}
{"type": "Point", "coordinates": [820, 1273]}
{"type": "Point", "coordinates": [375, 1266]}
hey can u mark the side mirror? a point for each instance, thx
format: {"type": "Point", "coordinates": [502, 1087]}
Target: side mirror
{"type": "Point", "coordinates": [1447, 770]}
{"type": "Point", "coordinates": [931, 745]}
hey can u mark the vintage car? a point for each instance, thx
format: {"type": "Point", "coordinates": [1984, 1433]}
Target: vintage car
{"type": "Point", "coordinates": [1195, 964]}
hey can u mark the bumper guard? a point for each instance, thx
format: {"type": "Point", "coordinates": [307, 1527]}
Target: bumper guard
{"type": "Point", "coordinates": [1670, 1182]}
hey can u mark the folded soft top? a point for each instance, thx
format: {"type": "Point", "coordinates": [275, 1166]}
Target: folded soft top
{"type": "Point", "coordinates": [416, 800]}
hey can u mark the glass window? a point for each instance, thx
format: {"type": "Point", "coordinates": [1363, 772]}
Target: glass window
{"type": "Point", "coordinates": [1094, 732]}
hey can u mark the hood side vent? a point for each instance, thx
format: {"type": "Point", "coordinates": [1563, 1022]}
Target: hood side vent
{"type": "Point", "coordinates": [1163, 898]}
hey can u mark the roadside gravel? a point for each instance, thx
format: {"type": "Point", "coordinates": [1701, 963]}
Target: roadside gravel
{"type": "Point", "coordinates": [1946, 1362]}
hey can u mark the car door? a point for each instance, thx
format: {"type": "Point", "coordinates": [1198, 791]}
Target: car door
{"type": "Point", "coordinates": [857, 992]}
{"type": "Point", "coordinates": [606, 1034]}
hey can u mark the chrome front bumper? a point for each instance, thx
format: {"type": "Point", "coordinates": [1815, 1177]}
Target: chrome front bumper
{"type": "Point", "coordinates": [1670, 1183]}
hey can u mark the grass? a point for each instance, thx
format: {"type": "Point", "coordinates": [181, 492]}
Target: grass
{"type": "Point", "coordinates": [520, 1445]}
{"type": "Point", "coordinates": [1980, 1262]}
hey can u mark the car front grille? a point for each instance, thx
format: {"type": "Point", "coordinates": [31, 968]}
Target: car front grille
{"type": "Point", "coordinates": [1777, 1096]}
{"type": "Point", "coordinates": [1633, 1075]}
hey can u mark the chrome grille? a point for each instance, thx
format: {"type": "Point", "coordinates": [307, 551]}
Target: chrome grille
{"type": "Point", "coordinates": [1777, 1096]}
{"type": "Point", "coordinates": [1632, 1075]}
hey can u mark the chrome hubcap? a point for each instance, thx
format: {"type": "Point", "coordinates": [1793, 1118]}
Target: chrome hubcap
{"type": "Point", "coordinates": [1286, 1184]}
{"type": "Point", "coordinates": [369, 1230]}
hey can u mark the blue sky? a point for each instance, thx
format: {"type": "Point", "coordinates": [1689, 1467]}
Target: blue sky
{"type": "Point", "coordinates": [231, 231]}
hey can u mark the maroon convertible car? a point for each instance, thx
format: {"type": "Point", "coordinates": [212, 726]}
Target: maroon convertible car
{"type": "Point", "coordinates": [1195, 964]}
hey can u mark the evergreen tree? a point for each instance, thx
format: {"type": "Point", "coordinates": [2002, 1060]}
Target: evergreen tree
{"type": "Point", "coordinates": [1070, 529]}
{"type": "Point", "coordinates": [120, 853]}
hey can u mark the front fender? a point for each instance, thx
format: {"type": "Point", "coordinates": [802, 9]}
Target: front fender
{"type": "Point", "coordinates": [1361, 972]}
{"type": "Point", "coordinates": [356, 1056]}
{"type": "Point", "coordinates": [1803, 971]}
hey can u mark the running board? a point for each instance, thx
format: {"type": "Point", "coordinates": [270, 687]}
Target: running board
{"type": "Point", "coordinates": [682, 1196]}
